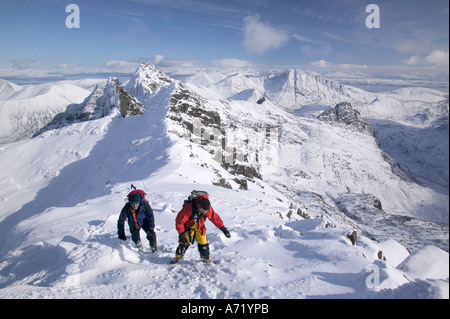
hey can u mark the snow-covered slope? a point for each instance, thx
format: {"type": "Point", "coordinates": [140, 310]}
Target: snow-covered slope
{"type": "Point", "coordinates": [26, 109]}
{"type": "Point", "coordinates": [287, 187]}
{"type": "Point", "coordinates": [8, 89]}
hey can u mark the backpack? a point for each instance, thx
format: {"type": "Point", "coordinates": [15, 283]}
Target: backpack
{"type": "Point", "coordinates": [193, 196]}
{"type": "Point", "coordinates": [136, 191]}
{"type": "Point", "coordinates": [191, 199]}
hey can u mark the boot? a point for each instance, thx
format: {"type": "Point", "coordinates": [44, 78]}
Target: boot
{"type": "Point", "coordinates": [175, 260]}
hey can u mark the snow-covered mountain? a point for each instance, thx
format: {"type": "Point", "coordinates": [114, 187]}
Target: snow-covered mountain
{"type": "Point", "coordinates": [292, 89]}
{"type": "Point", "coordinates": [296, 88]}
{"type": "Point", "coordinates": [108, 97]}
{"type": "Point", "coordinates": [410, 124]}
{"type": "Point", "coordinates": [290, 186]}
{"type": "Point", "coordinates": [26, 109]}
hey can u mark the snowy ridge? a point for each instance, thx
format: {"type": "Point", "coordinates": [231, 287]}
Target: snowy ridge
{"type": "Point", "coordinates": [25, 110]}
{"type": "Point", "coordinates": [108, 97]}
{"type": "Point", "coordinates": [290, 191]}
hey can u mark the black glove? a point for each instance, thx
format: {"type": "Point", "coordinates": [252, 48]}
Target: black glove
{"type": "Point", "coordinates": [225, 231]}
{"type": "Point", "coordinates": [122, 237]}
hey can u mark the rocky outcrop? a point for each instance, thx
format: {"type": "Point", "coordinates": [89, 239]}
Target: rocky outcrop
{"type": "Point", "coordinates": [205, 126]}
{"type": "Point", "coordinates": [187, 108]}
{"type": "Point", "coordinates": [128, 104]}
{"type": "Point", "coordinates": [344, 114]}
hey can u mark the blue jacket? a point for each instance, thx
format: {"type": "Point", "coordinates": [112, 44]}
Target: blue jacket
{"type": "Point", "coordinates": [142, 217]}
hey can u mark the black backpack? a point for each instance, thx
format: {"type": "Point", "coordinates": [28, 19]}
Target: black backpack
{"type": "Point", "coordinates": [191, 199]}
{"type": "Point", "coordinates": [193, 196]}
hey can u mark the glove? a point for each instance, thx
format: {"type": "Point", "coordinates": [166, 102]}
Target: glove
{"type": "Point", "coordinates": [122, 237]}
{"type": "Point", "coordinates": [225, 231]}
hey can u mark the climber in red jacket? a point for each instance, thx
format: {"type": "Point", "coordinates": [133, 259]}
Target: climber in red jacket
{"type": "Point", "coordinates": [190, 224]}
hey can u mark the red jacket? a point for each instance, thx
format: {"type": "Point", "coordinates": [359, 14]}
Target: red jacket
{"type": "Point", "coordinates": [184, 220]}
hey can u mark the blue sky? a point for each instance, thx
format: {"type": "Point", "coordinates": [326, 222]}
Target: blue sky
{"type": "Point", "coordinates": [115, 35]}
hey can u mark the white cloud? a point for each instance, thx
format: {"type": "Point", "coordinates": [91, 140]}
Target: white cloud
{"type": "Point", "coordinates": [388, 76]}
{"type": "Point", "coordinates": [343, 66]}
{"type": "Point", "coordinates": [25, 64]}
{"type": "Point", "coordinates": [231, 63]}
{"type": "Point", "coordinates": [412, 60]}
{"type": "Point", "coordinates": [163, 62]}
{"type": "Point", "coordinates": [121, 65]}
{"type": "Point", "coordinates": [436, 58]}
{"type": "Point", "coordinates": [157, 59]}
{"type": "Point", "coordinates": [260, 37]}
{"type": "Point", "coordinates": [320, 64]}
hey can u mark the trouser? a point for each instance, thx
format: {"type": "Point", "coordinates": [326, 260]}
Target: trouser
{"type": "Point", "coordinates": [202, 241]}
{"type": "Point", "coordinates": [151, 236]}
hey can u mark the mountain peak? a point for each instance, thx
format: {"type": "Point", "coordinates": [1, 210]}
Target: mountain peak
{"type": "Point", "coordinates": [146, 79]}
{"type": "Point", "coordinates": [8, 89]}
{"type": "Point", "coordinates": [296, 88]}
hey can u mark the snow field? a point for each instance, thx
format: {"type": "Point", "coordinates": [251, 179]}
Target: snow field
{"type": "Point", "coordinates": [73, 252]}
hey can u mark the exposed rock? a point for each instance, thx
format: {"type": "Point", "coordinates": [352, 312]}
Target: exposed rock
{"type": "Point", "coordinates": [186, 106]}
{"type": "Point", "coordinates": [344, 113]}
{"type": "Point", "coordinates": [206, 127]}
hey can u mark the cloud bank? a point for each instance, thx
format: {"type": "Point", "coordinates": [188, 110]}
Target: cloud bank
{"type": "Point", "coordinates": [260, 37]}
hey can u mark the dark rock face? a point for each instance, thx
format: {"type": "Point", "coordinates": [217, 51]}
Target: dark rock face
{"type": "Point", "coordinates": [344, 114]}
{"type": "Point", "coordinates": [186, 107]}
{"type": "Point", "coordinates": [207, 128]}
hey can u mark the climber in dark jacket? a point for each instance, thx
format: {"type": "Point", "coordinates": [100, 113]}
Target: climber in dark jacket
{"type": "Point", "coordinates": [139, 215]}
